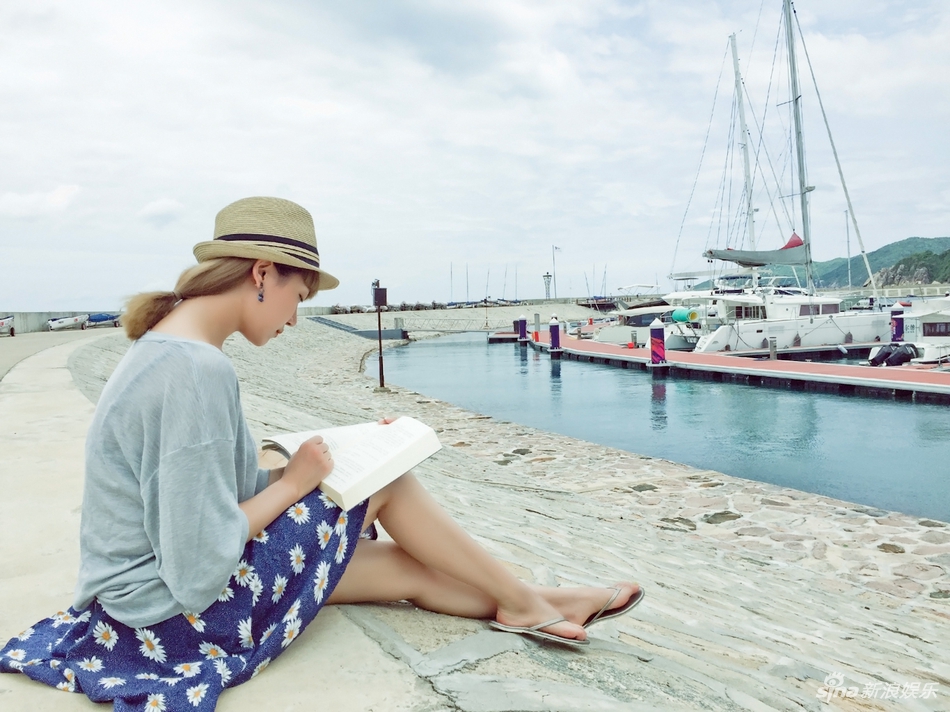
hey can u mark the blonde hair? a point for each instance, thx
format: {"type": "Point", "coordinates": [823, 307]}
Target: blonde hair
{"type": "Point", "coordinates": [214, 276]}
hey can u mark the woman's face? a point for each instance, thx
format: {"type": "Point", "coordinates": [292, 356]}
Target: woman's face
{"type": "Point", "coordinates": [268, 318]}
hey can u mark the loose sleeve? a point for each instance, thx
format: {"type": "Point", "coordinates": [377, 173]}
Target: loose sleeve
{"type": "Point", "coordinates": [196, 527]}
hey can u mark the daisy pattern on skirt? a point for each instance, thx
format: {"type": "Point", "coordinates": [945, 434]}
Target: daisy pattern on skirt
{"type": "Point", "coordinates": [195, 620]}
{"type": "Point", "coordinates": [25, 635]}
{"type": "Point", "coordinates": [326, 501]}
{"type": "Point", "coordinates": [71, 676]}
{"type": "Point", "coordinates": [66, 686]}
{"type": "Point", "coordinates": [291, 631]}
{"type": "Point", "coordinates": [341, 521]}
{"type": "Point", "coordinates": [223, 670]}
{"type": "Point", "coordinates": [321, 581]}
{"type": "Point", "coordinates": [63, 617]}
{"type": "Point", "coordinates": [300, 513]}
{"type": "Point", "coordinates": [257, 588]}
{"type": "Point", "coordinates": [242, 574]}
{"type": "Point", "coordinates": [197, 693]}
{"type": "Point", "coordinates": [156, 702]}
{"type": "Point", "coordinates": [340, 549]}
{"type": "Point", "coordinates": [188, 669]}
{"type": "Point", "coordinates": [170, 681]}
{"type": "Point", "coordinates": [324, 532]}
{"type": "Point", "coordinates": [260, 668]}
{"type": "Point", "coordinates": [262, 537]}
{"type": "Point", "coordinates": [105, 635]}
{"type": "Point", "coordinates": [84, 616]}
{"type": "Point", "coordinates": [151, 646]}
{"type": "Point", "coordinates": [226, 595]}
{"type": "Point", "coordinates": [293, 611]}
{"type": "Point", "coordinates": [297, 558]}
{"type": "Point", "coordinates": [268, 632]}
{"type": "Point", "coordinates": [92, 664]}
{"type": "Point", "coordinates": [280, 585]}
{"type": "Point", "coordinates": [146, 676]}
{"type": "Point", "coordinates": [110, 682]}
{"type": "Point", "coordinates": [244, 632]}
{"type": "Point", "coordinates": [211, 651]}
{"type": "Point", "coordinates": [17, 654]}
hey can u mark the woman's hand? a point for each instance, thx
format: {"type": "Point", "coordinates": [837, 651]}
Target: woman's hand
{"type": "Point", "coordinates": [309, 466]}
{"type": "Point", "coordinates": [387, 421]}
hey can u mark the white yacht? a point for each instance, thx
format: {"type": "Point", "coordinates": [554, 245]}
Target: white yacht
{"type": "Point", "coordinates": [749, 319]}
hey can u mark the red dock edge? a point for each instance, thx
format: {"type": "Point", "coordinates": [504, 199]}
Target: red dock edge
{"type": "Point", "coordinates": [922, 384]}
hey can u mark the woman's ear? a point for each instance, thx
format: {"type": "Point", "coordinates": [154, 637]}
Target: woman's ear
{"type": "Point", "coordinates": [258, 269]}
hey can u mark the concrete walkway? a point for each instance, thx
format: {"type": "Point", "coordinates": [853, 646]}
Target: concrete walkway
{"type": "Point", "coordinates": [736, 618]}
{"type": "Point", "coordinates": [43, 423]}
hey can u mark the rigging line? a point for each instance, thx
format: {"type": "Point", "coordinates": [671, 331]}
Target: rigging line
{"type": "Point", "coordinates": [701, 156]}
{"type": "Point", "coordinates": [755, 32]}
{"type": "Point", "coordinates": [760, 126]}
{"type": "Point", "coordinates": [834, 150]}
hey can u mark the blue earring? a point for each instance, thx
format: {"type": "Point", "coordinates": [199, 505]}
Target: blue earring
{"type": "Point", "coordinates": [260, 294]}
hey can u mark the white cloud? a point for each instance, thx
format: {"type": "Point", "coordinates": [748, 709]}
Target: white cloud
{"type": "Point", "coordinates": [161, 212]}
{"type": "Point", "coordinates": [21, 205]}
{"type": "Point", "coordinates": [421, 133]}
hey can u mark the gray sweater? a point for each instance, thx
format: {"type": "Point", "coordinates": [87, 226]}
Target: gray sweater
{"type": "Point", "coordinates": [168, 458]}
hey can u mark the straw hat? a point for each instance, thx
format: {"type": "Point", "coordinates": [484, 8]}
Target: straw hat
{"type": "Point", "coordinates": [266, 229]}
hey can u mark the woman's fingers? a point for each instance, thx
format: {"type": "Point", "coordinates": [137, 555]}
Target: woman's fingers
{"type": "Point", "coordinates": [388, 420]}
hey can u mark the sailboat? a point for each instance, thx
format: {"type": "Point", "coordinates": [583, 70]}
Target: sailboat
{"type": "Point", "coordinates": [748, 319]}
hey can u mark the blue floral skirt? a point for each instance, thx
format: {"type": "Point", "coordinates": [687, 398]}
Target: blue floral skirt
{"type": "Point", "coordinates": [284, 578]}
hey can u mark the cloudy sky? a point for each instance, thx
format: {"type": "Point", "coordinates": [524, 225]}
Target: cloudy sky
{"type": "Point", "coordinates": [431, 136]}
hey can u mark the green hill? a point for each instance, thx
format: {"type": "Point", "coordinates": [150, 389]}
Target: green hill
{"type": "Point", "coordinates": [924, 266]}
{"type": "Point", "coordinates": [834, 273]}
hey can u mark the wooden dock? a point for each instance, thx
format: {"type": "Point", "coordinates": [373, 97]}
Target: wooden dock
{"type": "Point", "coordinates": [919, 383]}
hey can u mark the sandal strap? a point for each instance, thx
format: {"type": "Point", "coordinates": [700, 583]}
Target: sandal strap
{"type": "Point", "coordinates": [605, 607]}
{"type": "Point", "coordinates": [539, 626]}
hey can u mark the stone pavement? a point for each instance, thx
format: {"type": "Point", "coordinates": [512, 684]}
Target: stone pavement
{"type": "Point", "coordinates": [755, 594]}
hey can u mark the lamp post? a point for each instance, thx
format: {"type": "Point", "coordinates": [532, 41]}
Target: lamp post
{"type": "Point", "coordinates": [379, 301]}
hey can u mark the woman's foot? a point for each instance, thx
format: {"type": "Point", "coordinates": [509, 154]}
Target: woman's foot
{"type": "Point", "coordinates": [578, 604]}
{"type": "Point", "coordinates": [537, 610]}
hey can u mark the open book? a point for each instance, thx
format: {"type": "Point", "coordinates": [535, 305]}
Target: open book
{"type": "Point", "coordinates": [366, 457]}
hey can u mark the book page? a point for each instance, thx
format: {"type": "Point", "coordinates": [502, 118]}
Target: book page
{"type": "Point", "coordinates": [336, 438]}
{"type": "Point", "coordinates": [371, 450]}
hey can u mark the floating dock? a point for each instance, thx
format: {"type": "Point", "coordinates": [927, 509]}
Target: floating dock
{"type": "Point", "coordinates": [924, 384]}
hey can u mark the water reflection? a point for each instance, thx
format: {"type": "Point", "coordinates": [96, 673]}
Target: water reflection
{"type": "Point", "coordinates": [658, 406]}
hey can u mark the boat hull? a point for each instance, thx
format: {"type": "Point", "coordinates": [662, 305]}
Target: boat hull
{"type": "Point", "coordinates": [824, 330]}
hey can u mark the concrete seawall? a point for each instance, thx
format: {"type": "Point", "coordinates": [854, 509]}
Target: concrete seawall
{"type": "Point", "coordinates": [758, 597]}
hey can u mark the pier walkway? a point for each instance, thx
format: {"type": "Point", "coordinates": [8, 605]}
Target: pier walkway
{"type": "Point", "coordinates": [919, 383]}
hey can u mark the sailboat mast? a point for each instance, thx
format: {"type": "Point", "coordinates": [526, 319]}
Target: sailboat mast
{"type": "Point", "coordinates": [744, 132]}
{"type": "Point", "coordinates": [803, 189]}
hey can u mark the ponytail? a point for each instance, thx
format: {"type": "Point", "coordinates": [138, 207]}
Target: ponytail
{"type": "Point", "coordinates": [214, 276]}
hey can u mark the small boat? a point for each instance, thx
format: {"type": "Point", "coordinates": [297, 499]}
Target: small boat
{"type": "Point", "coordinates": [103, 319]}
{"type": "Point", "coordinates": [67, 322]}
{"type": "Point", "coordinates": [6, 324]}
{"type": "Point", "coordinates": [920, 334]}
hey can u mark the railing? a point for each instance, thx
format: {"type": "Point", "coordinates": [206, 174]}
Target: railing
{"type": "Point", "coordinates": [454, 325]}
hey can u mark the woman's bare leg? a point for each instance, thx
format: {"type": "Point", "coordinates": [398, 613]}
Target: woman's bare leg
{"type": "Point", "coordinates": [382, 571]}
{"type": "Point", "coordinates": [426, 533]}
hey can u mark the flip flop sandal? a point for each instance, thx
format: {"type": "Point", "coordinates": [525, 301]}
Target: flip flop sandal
{"type": "Point", "coordinates": [536, 632]}
{"type": "Point", "coordinates": [603, 614]}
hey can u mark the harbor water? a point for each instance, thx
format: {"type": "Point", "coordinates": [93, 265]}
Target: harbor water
{"type": "Point", "coordinates": [887, 454]}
